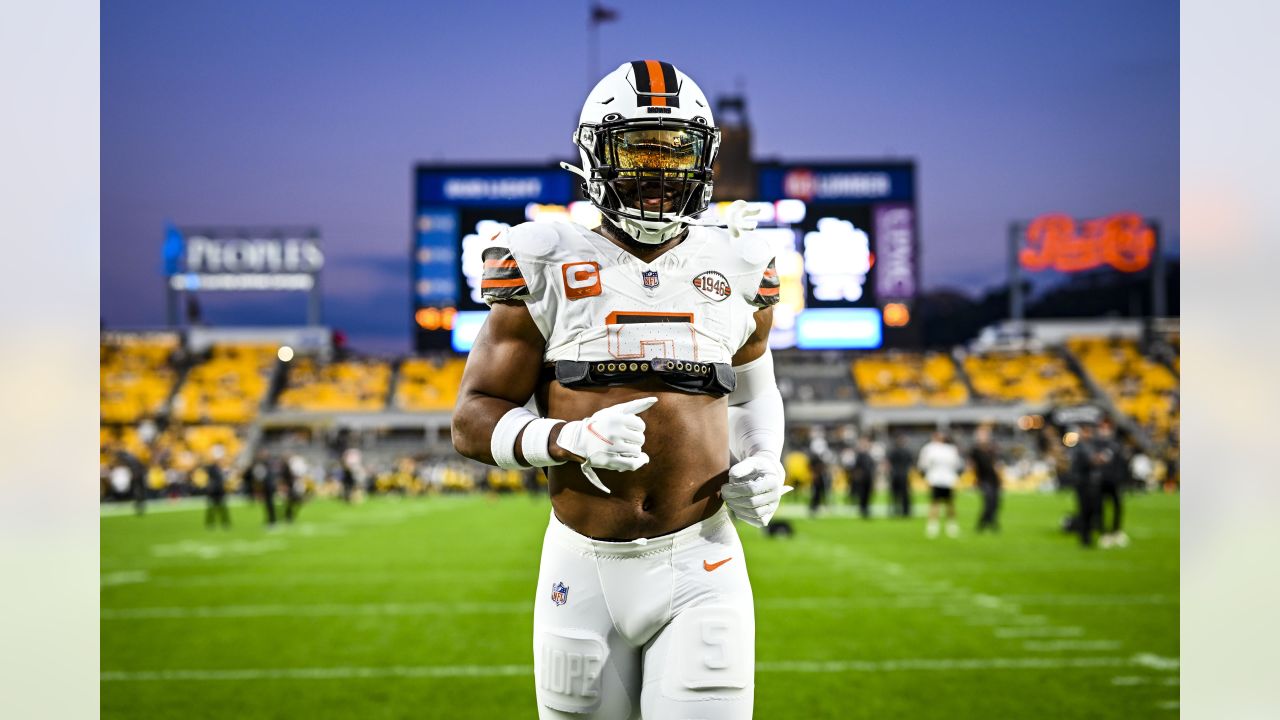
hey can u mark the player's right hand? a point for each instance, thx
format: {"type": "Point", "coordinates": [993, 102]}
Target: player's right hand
{"type": "Point", "coordinates": [610, 439]}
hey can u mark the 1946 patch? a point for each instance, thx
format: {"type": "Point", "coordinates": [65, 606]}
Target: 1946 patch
{"type": "Point", "coordinates": [713, 285]}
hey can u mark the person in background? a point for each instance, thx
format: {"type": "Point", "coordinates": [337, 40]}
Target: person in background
{"type": "Point", "coordinates": [985, 459]}
{"type": "Point", "coordinates": [350, 461]}
{"type": "Point", "coordinates": [821, 471]}
{"type": "Point", "coordinates": [263, 476]}
{"type": "Point", "coordinates": [862, 473]}
{"type": "Point", "coordinates": [1113, 477]}
{"type": "Point", "coordinates": [900, 462]}
{"type": "Point", "coordinates": [1086, 471]}
{"type": "Point", "coordinates": [217, 489]}
{"type": "Point", "coordinates": [137, 478]}
{"type": "Point", "coordinates": [1143, 471]}
{"type": "Point", "coordinates": [292, 471]}
{"type": "Point", "coordinates": [940, 463]}
{"type": "Point", "coordinates": [1172, 456]}
{"type": "Point", "coordinates": [248, 487]}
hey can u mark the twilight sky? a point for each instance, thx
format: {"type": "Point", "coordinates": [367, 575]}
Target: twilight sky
{"type": "Point", "coordinates": [285, 112]}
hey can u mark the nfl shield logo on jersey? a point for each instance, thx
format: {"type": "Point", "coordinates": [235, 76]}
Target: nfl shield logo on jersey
{"type": "Point", "coordinates": [559, 593]}
{"type": "Point", "coordinates": [650, 279]}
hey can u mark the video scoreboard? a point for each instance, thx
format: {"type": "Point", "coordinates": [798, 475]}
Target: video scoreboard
{"type": "Point", "coordinates": [845, 237]}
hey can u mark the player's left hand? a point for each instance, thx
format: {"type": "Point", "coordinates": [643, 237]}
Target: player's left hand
{"type": "Point", "coordinates": [755, 488]}
{"type": "Point", "coordinates": [740, 218]}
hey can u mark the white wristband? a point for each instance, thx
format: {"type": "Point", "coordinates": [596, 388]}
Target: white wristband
{"type": "Point", "coordinates": [535, 443]}
{"type": "Point", "coordinates": [502, 444]}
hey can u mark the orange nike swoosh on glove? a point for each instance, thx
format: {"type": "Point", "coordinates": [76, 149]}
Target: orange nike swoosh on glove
{"type": "Point", "coordinates": [712, 566]}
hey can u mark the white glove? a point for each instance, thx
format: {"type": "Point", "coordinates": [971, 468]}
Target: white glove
{"type": "Point", "coordinates": [755, 488]}
{"type": "Point", "coordinates": [740, 218]}
{"type": "Point", "coordinates": [610, 439]}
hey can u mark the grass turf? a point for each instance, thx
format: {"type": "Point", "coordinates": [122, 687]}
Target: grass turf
{"type": "Point", "coordinates": [423, 608]}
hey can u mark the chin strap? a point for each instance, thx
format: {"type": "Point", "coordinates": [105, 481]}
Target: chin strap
{"type": "Point", "coordinates": [647, 235]}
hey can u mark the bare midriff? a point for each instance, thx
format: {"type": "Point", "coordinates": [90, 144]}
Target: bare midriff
{"type": "Point", "coordinates": [686, 439]}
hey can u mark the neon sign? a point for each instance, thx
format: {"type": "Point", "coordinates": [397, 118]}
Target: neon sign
{"type": "Point", "coordinates": [1058, 242]}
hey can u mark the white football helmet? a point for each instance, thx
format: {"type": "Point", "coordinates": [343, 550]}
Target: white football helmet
{"type": "Point", "coordinates": [647, 141]}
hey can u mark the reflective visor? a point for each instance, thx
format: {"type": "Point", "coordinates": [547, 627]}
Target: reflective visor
{"type": "Point", "coordinates": [656, 149]}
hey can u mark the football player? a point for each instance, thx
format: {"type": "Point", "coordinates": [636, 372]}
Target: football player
{"type": "Point", "coordinates": [644, 343]}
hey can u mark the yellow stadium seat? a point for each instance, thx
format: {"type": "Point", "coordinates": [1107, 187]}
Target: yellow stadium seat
{"type": "Point", "coordinates": [1140, 387]}
{"type": "Point", "coordinates": [900, 379]}
{"type": "Point", "coordinates": [427, 386]}
{"type": "Point", "coordinates": [342, 386]}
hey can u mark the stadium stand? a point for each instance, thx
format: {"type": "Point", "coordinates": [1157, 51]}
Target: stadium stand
{"type": "Point", "coordinates": [136, 376]}
{"type": "Point", "coordinates": [236, 392]}
{"type": "Point", "coordinates": [428, 385]}
{"type": "Point", "coordinates": [175, 457]}
{"type": "Point", "coordinates": [1142, 388]}
{"type": "Point", "coordinates": [899, 379]}
{"type": "Point", "coordinates": [228, 387]}
{"type": "Point", "coordinates": [126, 437]}
{"type": "Point", "coordinates": [185, 448]}
{"type": "Point", "coordinates": [1031, 377]}
{"type": "Point", "coordinates": [348, 385]}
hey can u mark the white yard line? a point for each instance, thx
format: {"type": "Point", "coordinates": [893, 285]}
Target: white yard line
{"type": "Point", "coordinates": [124, 577]}
{"type": "Point", "coordinates": [191, 504]}
{"type": "Point", "coordinates": [1008, 620]}
{"type": "Point", "coordinates": [776, 666]}
{"type": "Point", "coordinates": [331, 673]}
{"type": "Point", "coordinates": [295, 579]}
{"type": "Point", "coordinates": [1006, 633]}
{"type": "Point", "coordinates": [315, 610]}
{"type": "Point", "coordinates": [187, 504]}
{"type": "Point", "coordinates": [1060, 645]}
{"type": "Point", "coordinates": [443, 607]}
{"type": "Point", "coordinates": [1074, 600]}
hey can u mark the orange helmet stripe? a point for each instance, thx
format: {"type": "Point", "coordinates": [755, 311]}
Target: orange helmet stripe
{"type": "Point", "coordinates": [657, 83]}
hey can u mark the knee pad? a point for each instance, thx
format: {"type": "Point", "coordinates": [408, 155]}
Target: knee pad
{"type": "Point", "coordinates": [713, 650]}
{"type": "Point", "coordinates": [568, 667]}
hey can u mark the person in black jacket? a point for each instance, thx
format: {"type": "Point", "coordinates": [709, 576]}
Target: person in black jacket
{"type": "Point", "coordinates": [350, 458]}
{"type": "Point", "coordinates": [901, 459]}
{"type": "Point", "coordinates": [1113, 477]}
{"type": "Point", "coordinates": [291, 472]}
{"type": "Point", "coordinates": [821, 472]}
{"type": "Point", "coordinates": [263, 475]}
{"type": "Point", "coordinates": [985, 459]}
{"type": "Point", "coordinates": [861, 476]}
{"type": "Point", "coordinates": [217, 490]}
{"type": "Point", "coordinates": [1086, 470]}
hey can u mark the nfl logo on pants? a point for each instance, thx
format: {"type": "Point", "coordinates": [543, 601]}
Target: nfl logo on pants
{"type": "Point", "coordinates": [650, 279]}
{"type": "Point", "coordinates": [559, 593]}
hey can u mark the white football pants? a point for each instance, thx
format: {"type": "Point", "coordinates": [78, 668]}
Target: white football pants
{"type": "Point", "coordinates": [660, 628]}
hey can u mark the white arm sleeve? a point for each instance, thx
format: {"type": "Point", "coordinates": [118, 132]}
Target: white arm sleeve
{"type": "Point", "coordinates": [756, 423]}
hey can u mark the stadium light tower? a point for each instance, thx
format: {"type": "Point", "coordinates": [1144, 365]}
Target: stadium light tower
{"type": "Point", "coordinates": [598, 15]}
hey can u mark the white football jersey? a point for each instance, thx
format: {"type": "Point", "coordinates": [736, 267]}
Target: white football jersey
{"type": "Point", "coordinates": [941, 464]}
{"type": "Point", "coordinates": [594, 301]}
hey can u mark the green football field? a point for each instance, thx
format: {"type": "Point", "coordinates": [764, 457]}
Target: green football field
{"type": "Point", "coordinates": [422, 608]}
